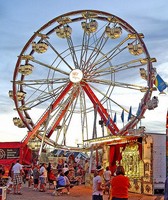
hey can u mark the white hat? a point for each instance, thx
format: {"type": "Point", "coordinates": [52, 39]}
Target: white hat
{"type": "Point", "coordinates": [99, 168]}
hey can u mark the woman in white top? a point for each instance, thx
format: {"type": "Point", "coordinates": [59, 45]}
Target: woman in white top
{"type": "Point", "coordinates": [98, 187]}
{"type": "Point", "coordinates": [43, 177]}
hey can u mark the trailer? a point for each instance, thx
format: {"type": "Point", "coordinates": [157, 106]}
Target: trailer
{"type": "Point", "coordinates": [155, 154]}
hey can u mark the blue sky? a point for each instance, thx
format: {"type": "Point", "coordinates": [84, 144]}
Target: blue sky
{"type": "Point", "coordinates": [20, 19]}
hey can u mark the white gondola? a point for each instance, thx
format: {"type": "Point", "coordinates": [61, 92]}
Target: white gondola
{"type": "Point", "coordinates": [135, 49]}
{"type": "Point", "coordinates": [113, 33]}
{"type": "Point", "coordinates": [40, 47]}
{"type": "Point", "coordinates": [154, 73]}
{"type": "Point", "coordinates": [143, 73]}
{"type": "Point", "coordinates": [10, 94]}
{"type": "Point", "coordinates": [18, 122]}
{"type": "Point", "coordinates": [64, 32]}
{"type": "Point", "coordinates": [20, 95]}
{"type": "Point", "coordinates": [64, 20]}
{"type": "Point", "coordinates": [26, 69]}
{"type": "Point", "coordinates": [153, 103]}
{"type": "Point", "coordinates": [90, 27]}
{"type": "Point", "coordinates": [27, 57]}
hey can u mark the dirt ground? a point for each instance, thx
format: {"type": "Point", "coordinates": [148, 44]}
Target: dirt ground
{"type": "Point", "coordinates": [80, 192]}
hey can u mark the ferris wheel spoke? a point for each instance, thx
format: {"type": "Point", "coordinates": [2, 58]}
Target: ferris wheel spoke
{"type": "Point", "coordinates": [106, 57]}
{"type": "Point", "coordinates": [72, 51]}
{"type": "Point", "coordinates": [92, 41]}
{"type": "Point", "coordinates": [67, 119]}
{"type": "Point", "coordinates": [59, 55]}
{"type": "Point", "coordinates": [84, 119]}
{"type": "Point", "coordinates": [51, 67]}
{"type": "Point", "coordinates": [41, 96]}
{"type": "Point", "coordinates": [116, 68]}
{"type": "Point", "coordinates": [84, 50]}
{"type": "Point", "coordinates": [119, 84]}
{"type": "Point", "coordinates": [41, 81]}
{"type": "Point", "coordinates": [96, 51]}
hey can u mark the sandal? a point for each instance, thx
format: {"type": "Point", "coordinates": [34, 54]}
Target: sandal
{"type": "Point", "coordinates": [19, 193]}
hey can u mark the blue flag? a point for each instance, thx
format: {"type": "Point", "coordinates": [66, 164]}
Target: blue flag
{"type": "Point", "coordinates": [115, 118]}
{"type": "Point", "coordinates": [108, 121]}
{"type": "Point", "coordinates": [130, 113]}
{"type": "Point", "coordinates": [139, 110]}
{"type": "Point", "coordinates": [122, 116]}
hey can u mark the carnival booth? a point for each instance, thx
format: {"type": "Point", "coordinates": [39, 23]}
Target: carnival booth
{"type": "Point", "coordinates": [12, 151]}
{"type": "Point", "coordinates": [143, 158]}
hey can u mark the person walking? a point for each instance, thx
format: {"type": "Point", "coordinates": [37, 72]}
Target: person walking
{"type": "Point", "coordinates": [30, 177]}
{"type": "Point", "coordinates": [98, 185]}
{"type": "Point", "coordinates": [10, 180]}
{"type": "Point", "coordinates": [86, 170]}
{"type": "Point", "coordinates": [43, 178]}
{"type": "Point", "coordinates": [36, 175]}
{"type": "Point", "coordinates": [119, 185]}
{"type": "Point", "coordinates": [17, 177]}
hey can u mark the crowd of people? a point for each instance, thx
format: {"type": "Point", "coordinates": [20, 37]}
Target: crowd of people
{"type": "Point", "coordinates": [64, 174]}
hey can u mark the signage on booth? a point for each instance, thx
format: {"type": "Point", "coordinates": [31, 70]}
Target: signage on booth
{"type": "Point", "coordinates": [9, 153]}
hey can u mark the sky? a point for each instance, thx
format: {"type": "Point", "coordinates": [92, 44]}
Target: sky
{"type": "Point", "coordinates": [20, 19]}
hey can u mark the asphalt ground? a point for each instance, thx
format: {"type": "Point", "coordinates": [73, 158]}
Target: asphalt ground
{"type": "Point", "coordinates": [80, 192]}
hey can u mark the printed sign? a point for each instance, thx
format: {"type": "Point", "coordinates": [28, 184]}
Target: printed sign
{"type": "Point", "coordinates": [9, 153]}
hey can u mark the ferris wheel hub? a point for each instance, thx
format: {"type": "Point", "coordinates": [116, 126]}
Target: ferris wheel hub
{"type": "Point", "coordinates": [76, 76]}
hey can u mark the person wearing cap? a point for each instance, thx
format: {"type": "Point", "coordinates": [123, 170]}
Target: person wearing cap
{"type": "Point", "coordinates": [119, 185]}
{"type": "Point", "coordinates": [98, 186]}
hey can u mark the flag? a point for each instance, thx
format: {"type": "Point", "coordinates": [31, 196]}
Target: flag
{"type": "Point", "coordinates": [139, 110]}
{"type": "Point", "coordinates": [122, 116]}
{"type": "Point", "coordinates": [115, 118]}
{"type": "Point", "coordinates": [130, 113]}
{"type": "Point", "coordinates": [108, 121]}
{"type": "Point", "coordinates": [160, 84]}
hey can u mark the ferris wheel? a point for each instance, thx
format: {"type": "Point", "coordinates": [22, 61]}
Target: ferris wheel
{"type": "Point", "coordinates": [81, 70]}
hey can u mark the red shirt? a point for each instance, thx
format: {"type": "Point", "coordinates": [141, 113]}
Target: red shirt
{"type": "Point", "coordinates": [119, 186]}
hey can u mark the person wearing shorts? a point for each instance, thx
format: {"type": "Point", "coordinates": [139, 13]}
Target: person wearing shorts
{"type": "Point", "coordinates": [17, 177]}
{"type": "Point", "coordinates": [43, 178]}
{"type": "Point", "coordinates": [36, 174]}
